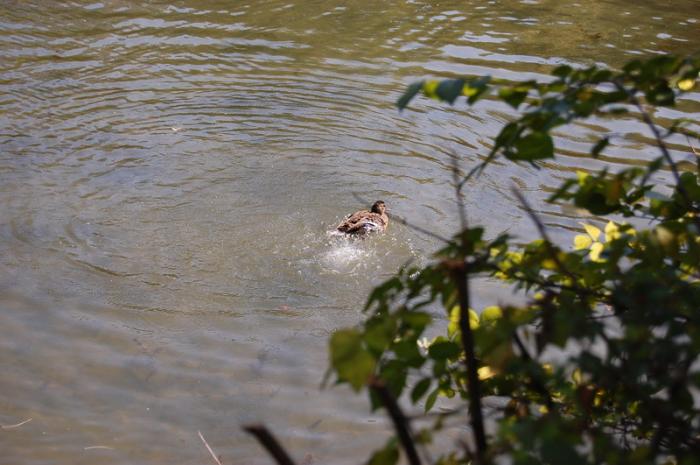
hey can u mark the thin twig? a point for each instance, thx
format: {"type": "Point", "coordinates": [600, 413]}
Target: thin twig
{"type": "Point", "coordinates": [270, 443]}
{"type": "Point", "coordinates": [427, 232]}
{"type": "Point", "coordinates": [401, 423]}
{"type": "Point", "coordinates": [543, 233]}
{"type": "Point", "coordinates": [216, 459]}
{"type": "Point", "coordinates": [427, 415]}
{"type": "Point", "coordinates": [98, 448]}
{"type": "Point", "coordinates": [690, 144]}
{"type": "Point", "coordinates": [564, 287]}
{"type": "Point", "coordinates": [461, 277]}
{"type": "Point", "coordinates": [654, 130]}
{"type": "Point", "coordinates": [456, 174]}
{"type": "Point", "coordinates": [406, 223]}
{"type": "Point", "coordinates": [536, 383]}
{"type": "Point", "coordinates": [17, 425]}
{"type": "Point", "coordinates": [662, 146]}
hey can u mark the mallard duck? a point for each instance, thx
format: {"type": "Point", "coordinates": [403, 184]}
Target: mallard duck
{"type": "Point", "coordinates": [365, 221]}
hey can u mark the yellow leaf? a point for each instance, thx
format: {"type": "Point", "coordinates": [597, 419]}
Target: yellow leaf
{"type": "Point", "coordinates": [599, 397]}
{"type": "Point", "coordinates": [577, 376]}
{"type": "Point", "coordinates": [514, 257]}
{"type": "Point", "coordinates": [548, 368]}
{"type": "Point", "coordinates": [582, 241]}
{"type": "Point", "coordinates": [485, 373]}
{"type": "Point", "coordinates": [612, 231]}
{"type": "Point", "coordinates": [468, 90]}
{"type": "Point", "coordinates": [596, 250]}
{"type": "Point", "coordinates": [686, 84]}
{"type": "Point", "coordinates": [665, 236]}
{"type": "Point", "coordinates": [453, 325]}
{"type": "Point", "coordinates": [633, 407]}
{"type": "Point", "coordinates": [473, 319]}
{"type": "Point", "coordinates": [592, 231]}
{"type": "Point", "coordinates": [581, 175]}
{"type": "Point", "coordinates": [491, 314]}
{"type": "Point", "coordinates": [430, 88]}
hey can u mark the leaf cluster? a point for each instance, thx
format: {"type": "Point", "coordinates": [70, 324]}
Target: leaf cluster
{"type": "Point", "coordinates": [600, 364]}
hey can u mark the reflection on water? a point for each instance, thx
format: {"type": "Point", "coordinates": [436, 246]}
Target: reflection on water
{"type": "Point", "coordinates": [168, 175]}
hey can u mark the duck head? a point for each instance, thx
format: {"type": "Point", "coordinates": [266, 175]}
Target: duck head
{"type": "Point", "coordinates": [379, 207]}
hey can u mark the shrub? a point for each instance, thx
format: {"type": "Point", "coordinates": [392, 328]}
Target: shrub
{"type": "Point", "coordinates": [621, 309]}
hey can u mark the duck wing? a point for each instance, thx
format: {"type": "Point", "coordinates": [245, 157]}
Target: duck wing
{"type": "Point", "coordinates": [351, 221]}
{"type": "Point", "coordinates": [362, 222]}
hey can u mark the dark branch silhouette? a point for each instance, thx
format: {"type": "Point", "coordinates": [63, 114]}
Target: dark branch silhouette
{"type": "Point", "coordinates": [461, 276]}
{"type": "Point", "coordinates": [270, 443]}
{"type": "Point", "coordinates": [401, 423]}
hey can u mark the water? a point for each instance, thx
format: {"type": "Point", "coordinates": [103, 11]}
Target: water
{"type": "Point", "coordinates": [168, 175]}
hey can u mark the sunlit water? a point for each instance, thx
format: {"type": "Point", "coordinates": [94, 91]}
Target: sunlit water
{"type": "Point", "coordinates": [169, 173]}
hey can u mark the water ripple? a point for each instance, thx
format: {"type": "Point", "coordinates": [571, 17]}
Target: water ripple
{"type": "Point", "coordinates": [168, 174]}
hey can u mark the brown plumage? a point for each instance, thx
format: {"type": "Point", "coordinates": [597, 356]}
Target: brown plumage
{"type": "Point", "coordinates": [365, 221]}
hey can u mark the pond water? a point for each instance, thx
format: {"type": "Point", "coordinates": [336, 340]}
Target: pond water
{"type": "Point", "coordinates": [168, 173]}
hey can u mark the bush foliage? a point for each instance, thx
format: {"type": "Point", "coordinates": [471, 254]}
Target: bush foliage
{"type": "Point", "coordinates": [600, 365]}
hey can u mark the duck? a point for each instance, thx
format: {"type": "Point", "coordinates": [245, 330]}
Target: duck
{"type": "Point", "coordinates": [364, 222]}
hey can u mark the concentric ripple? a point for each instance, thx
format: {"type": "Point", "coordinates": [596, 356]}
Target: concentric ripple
{"type": "Point", "coordinates": [169, 172]}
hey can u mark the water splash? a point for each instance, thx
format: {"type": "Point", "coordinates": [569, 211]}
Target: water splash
{"type": "Point", "coordinates": [345, 254]}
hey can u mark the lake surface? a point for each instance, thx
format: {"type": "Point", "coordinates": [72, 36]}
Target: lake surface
{"type": "Point", "coordinates": [168, 172]}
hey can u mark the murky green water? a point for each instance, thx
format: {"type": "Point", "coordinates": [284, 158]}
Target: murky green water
{"type": "Point", "coordinates": [168, 173]}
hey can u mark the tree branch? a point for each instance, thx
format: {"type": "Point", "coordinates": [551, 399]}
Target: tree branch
{"type": "Point", "coordinates": [461, 277]}
{"type": "Point", "coordinates": [271, 445]}
{"type": "Point", "coordinates": [662, 146]}
{"type": "Point", "coordinates": [401, 424]}
{"type": "Point", "coordinates": [473, 383]}
{"type": "Point", "coordinates": [543, 232]}
{"type": "Point", "coordinates": [536, 383]}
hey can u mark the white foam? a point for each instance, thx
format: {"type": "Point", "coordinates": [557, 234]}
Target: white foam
{"type": "Point", "coordinates": [344, 254]}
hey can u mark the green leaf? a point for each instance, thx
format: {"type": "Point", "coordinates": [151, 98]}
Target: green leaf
{"type": "Point", "coordinates": [349, 359]}
{"type": "Point", "coordinates": [417, 320]}
{"type": "Point", "coordinates": [388, 455]}
{"type": "Point", "coordinates": [420, 389]}
{"type": "Point", "coordinates": [512, 96]}
{"type": "Point", "coordinates": [601, 75]}
{"type": "Point", "coordinates": [534, 146]}
{"type": "Point", "coordinates": [394, 376]}
{"type": "Point", "coordinates": [633, 68]}
{"type": "Point", "coordinates": [509, 132]}
{"type": "Point", "coordinates": [449, 89]}
{"type": "Point", "coordinates": [407, 351]}
{"type": "Point", "coordinates": [432, 397]}
{"type": "Point", "coordinates": [599, 146]}
{"type": "Point", "coordinates": [377, 335]}
{"type": "Point", "coordinates": [562, 71]}
{"type": "Point", "coordinates": [408, 95]}
{"type": "Point", "coordinates": [556, 450]}
{"type": "Point", "coordinates": [661, 95]}
{"type": "Point", "coordinates": [475, 88]}
{"type": "Point", "coordinates": [384, 291]}
{"type": "Point", "coordinates": [444, 349]}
